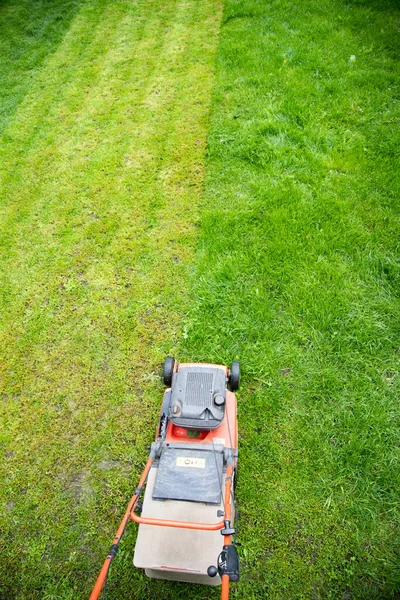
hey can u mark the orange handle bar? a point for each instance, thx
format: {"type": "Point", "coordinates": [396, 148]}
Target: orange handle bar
{"type": "Point", "coordinates": [106, 565]}
{"type": "Point", "coordinates": [178, 524]}
{"type": "Point", "coordinates": [165, 523]}
{"type": "Point", "coordinates": [191, 524]}
{"type": "Point", "coordinates": [225, 587]}
{"type": "Point", "coordinates": [227, 538]}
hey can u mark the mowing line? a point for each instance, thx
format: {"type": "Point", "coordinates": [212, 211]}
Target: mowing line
{"type": "Point", "coordinates": [101, 174]}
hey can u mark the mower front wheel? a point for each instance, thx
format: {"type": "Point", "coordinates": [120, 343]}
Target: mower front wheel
{"type": "Point", "coordinates": [234, 379]}
{"type": "Point", "coordinates": [168, 370]}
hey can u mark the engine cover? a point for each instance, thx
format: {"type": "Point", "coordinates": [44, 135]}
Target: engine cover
{"type": "Point", "coordinates": [198, 397]}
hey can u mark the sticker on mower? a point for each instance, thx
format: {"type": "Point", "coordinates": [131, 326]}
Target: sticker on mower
{"type": "Point", "coordinates": [197, 463]}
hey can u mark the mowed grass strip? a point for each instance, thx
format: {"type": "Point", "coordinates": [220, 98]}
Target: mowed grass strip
{"type": "Point", "coordinates": [29, 33]}
{"type": "Point", "coordinates": [101, 171]}
{"type": "Point", "coordinates": [298, 276]}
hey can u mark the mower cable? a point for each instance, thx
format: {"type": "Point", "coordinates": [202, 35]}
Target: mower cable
{"type": "Point", "coordinates": [233, 495]}
{"type": "Point", "coordinates": [100, 584]}
{"type": "Point", "coordinates": [115, 547]}
{"type": "Point", "coordinates": [111, 555]}
{"type": "Point", "coordinates": [105, 582]}
{"type": "Point", "coordinates": [216, 466]}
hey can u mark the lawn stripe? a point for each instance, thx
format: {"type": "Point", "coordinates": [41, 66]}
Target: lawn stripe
{"type": "Point", "coordinates": [101, 174]}
{"type": "Point", "coordinates": [297, 275]}
{"type": "Point", "coordinates": [29, 34]}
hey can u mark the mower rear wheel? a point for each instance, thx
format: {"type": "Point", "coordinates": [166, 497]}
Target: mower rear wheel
{"type": "Point", "coordinates": [168, 370]}
{"type": "Point", "coordinates": [234, 379]}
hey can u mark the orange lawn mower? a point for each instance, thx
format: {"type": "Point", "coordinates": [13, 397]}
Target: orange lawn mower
{"type": "Point", "coordinates": [188, 482]}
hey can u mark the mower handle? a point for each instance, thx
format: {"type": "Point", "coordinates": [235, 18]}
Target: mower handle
{"type": "Point", "coordinates": [225, 587]}
{"type": "Point", "coordinates": [178, 524]}
{"type": "Point", "coordinates": [98, 586]}
{"type": "Point", "coordinates": [184, 525]}
{"type": "Point", "coordinates": [191, 524]}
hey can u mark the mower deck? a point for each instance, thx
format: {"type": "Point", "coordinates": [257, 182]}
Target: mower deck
{"type": "Point", "coordinates": [187, 480]}
{"type": "Point", "coordinates": [177, 554]}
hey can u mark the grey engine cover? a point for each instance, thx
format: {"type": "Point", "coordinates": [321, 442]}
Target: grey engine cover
{"type": "Point", "coordinates": [194, 390]}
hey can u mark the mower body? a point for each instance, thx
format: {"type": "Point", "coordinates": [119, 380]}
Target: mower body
{"type": "Point", "coordinates": [196, 441]}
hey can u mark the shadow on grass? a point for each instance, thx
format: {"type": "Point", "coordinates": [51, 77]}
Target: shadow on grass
{"type": "Point", "coordinates": [29, 33]}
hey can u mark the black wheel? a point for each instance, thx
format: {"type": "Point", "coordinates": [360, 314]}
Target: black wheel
{"type": "Point", "coordinates": [168, 370]}
{"type": "Point", "coordinates": [235, 375]}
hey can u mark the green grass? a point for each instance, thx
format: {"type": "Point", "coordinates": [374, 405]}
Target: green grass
{"type": "Point", "coordinates": [121, 241]}
{"type": "Point", "coordinates": [101, 170]}
{"type": "Point", "coordinates": [298, 275]}
{"type": "Point", "coordinates": [29, 32]}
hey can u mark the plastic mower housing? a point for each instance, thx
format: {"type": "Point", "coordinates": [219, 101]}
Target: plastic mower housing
{"type": "Point", "coordinates": [187, 515]}
{"type": "Point", "coordinates": [197, 440]}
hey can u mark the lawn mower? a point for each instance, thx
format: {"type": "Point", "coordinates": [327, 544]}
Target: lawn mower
{"type": "Point", "coordinates": [188, 483]}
